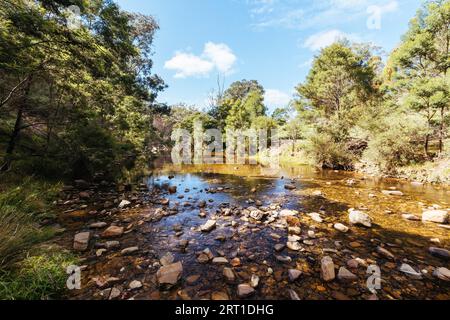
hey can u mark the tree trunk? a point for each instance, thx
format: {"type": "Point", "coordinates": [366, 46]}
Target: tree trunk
{"type": "Point", "coordinates": [15, 134]}
{"type": "Point", "coordinates": [441, 132]}
{"type": "Point", "coordinates": [427, 142]}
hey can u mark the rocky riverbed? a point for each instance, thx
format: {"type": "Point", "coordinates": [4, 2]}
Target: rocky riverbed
{"type": "Point", "coordinates": [248, 232]}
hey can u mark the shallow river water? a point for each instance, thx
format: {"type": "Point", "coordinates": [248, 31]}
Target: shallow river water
{"type": "Point", "coordinates": [249, 245]}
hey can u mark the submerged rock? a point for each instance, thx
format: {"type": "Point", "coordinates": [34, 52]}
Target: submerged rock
{"type": "Point", "coordinates": [167, 259]}
{"type": "Point", "coordinates": [437, 216]}
{"type": "Point", "coordinates": [170, 274]}
{"type": "Point", "coordinates": [440, 253]}
{"type": "Point", "coordinates": [327, 269]}
{"type": "Point", "coordinates": [410, 217]}
{"type": "Point", "coordinates": [359, 218]}
{"type": "Point", "coordinates": [245, 290]}
{"type": "Point", "coordinates": [229, 274]}
{"type": "Point", "coordinates": [208, 226]}
{"type": "Point", "coordinates": [113, 231]}
{"type": "Point", "coordinates": [392, 193]}
{"type": "Point", "coordinates": [407, 269]}
{"type": "Point", "coordinates": [294, 274]}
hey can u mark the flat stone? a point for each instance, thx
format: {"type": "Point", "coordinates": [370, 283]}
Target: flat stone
{"type": "Point", "coordinates": [208, 226]}
{"type": "Point", "coordinates": [192, 279]}
{"type": "Point", "coordinates": [284, 259]}
{"type": "Point", "coordinates": [437, 216]}
{"type": "Point", "coordinates": [385, 253]}
{"type": "Point", "coordinates": [112, 244]}
{"type": "Point", "coordinates": [98, 225]}
{"type": "Point", "coordinates": [170, 274]}
{"type": "Point", "coordinates": [81, 241]}
{"type": "Point", "coordinates": [290, 187]}
{"type": "Point", "coordinates": [279, 247]}
{"type": "Point", "coordinates": [129, 250]}
{"type": "Point", "coordinates": [327, 269]}
{"type": "Point", "coordinates": [407, 269]}
{"type": "Point", "coordinates": [294, 274]}
{"type": "Point", "coordinates": [113, 231]}
{"type": "Point", "coordinates": [288, 213]}
{"type": "Point", "coordinates": [115, 293]}
{"type": "Point", "coordinates": [345, 275]}
{"type": "Point", "coordinates": [392, 193]}
{"type": "Point", "coordinates": [220, 260]}
{"type": "Point", "coordinates": [245, 290]}
{"type": "Point", "coordinates": [410, 217]}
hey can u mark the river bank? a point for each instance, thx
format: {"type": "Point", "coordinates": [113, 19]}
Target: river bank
{"type": "Point", "coordinates": [235, 232]}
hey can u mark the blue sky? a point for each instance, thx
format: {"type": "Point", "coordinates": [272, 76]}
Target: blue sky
{"type": "Point", "coordinates": [272, 41]}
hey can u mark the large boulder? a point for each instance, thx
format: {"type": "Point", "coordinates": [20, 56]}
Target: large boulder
{"type": "Point", "coordinates": [360, 218]}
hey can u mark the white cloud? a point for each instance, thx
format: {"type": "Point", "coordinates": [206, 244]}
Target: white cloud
{"type": "Point", "coordinates": [221, 55]}
{"type": "Point", "coordinates": [276, 98]}
{"type": "Point", "coordinates": [214, 57]}
{"type": "Point", "coordinates": [324, 39]}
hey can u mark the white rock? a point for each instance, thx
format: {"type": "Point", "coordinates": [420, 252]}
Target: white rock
{"type": "Point", "coordinates": [288, 213]}
{"type": "Point", "coordinates": [315, 217]}
{"type": "Point", "coordinates": [392, 192]}
{"type": "Point", "coordinates": [410, 217]}
{"type": "Point", "coordinates": [208, 226]}
{"type": "Point", "coordinates": [135, 285]}
{"type": "Point", "coordinates": [359, 218]}
{"type": "Point", "coordinates": [220, 260]}
{"type": "Point", "coordinates": [327, 269]}
{"type": "Point", "coordinates": [254, 282]}
{"type": "Point", "coordinates": [340, 227]}
{"type": "Point", "coordinates": [129, 250]}
{"type": "Point", "coordinates": [406, 268]}
{"type": "Point", "coordinates": [442, 273]}
{"type": "Point", "coordinates": [437, 216]}
{"type": "Point", "coordinates": [293, 295]}
{"type": "Point", "coordinates": [124, 204]}
{"type": "Point", "coordinates": [295, 246]}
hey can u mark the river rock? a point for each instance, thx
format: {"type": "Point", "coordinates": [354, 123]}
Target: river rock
{"type": "Point", "coordinates": [170, 274]}
{"type": "Point", "coordinates": [279, 247]}
{"type": "Point", "coordinates": [442, 273]}
{"type": "Point", "coordinates": [81, 241]}
{"type": "Point", "coordinates": [346, 275]}
{"type": "Point", "coordinates": [257, 214]}
{"type": "Point", "coordinates": [288, 213]}
{"type": "Point", "coordinates": [220, 260]}
{"type": "Point", "coordinates": [167, 259]}
{"type": "Point", "coordinates": [392, 193]}
{"type": "Point", "coordinates": [172, 189]}
{"type": "Point", "coordinates": [410, 217]}
{"type": "Point", "coordinates": [385, 253]}
{"type": "Point", "coordinates": [440, 253]}
{"type": "Point", "coordinates": [135, 284]}
{"type": "Point", "coordinates": [98, 225]}
{"type": "Point", "coordinates": [294, 245]}
{"type": "Point", "coordinates": [254, 281]}
{"type": "Point", "coordinates": [315, 217]}
{"type": "Point", "coordinates": [115, 293]}
{"type": "Point", "coordinates": [359, 218]}
{"type": "Point", "coordinates": [294, 274]}
{"type": "Point", "coordinates": [113, 231]}
{"type": "Point", "coordinates": [407, 269]}
{"type": "Point", "coordinates": [284, 259]}
{"type": "Point", "coordinates": [208, 226]}
{"type": "Point", "coordinates": [129, 250]}
{"type": "Point", "coordinates": [245, 290]}
{"type": "Point", "coordinates": [229, 274]}
{"type": "Point", "coordinates": [290, 187]}
{"type": "Point", "coordinates": [340, 227]}
{"type": "Point", "coordinates": [112, 244]}
{"type": "Point", "coordinates": [327, 269]}
{"type": "Point", "coordinates": [293, 295]}
{"type": "Point", "coordinates": [437, 216]}
{"type": "Point", "coordinates": [124, 204]}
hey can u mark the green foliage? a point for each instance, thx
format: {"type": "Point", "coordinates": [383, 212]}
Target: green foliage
{"type": "Point", "coordinates": [38, 277]}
